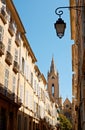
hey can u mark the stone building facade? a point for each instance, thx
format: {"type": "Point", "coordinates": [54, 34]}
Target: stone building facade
{"type": "Point", "coordinates": [67, 109]}
{"type": "Point", "coordinates": [77, 18]}
{"type": "Point", "coordinates": [53, 88]}
{"type": "Point", "coordinates": [24, 99]}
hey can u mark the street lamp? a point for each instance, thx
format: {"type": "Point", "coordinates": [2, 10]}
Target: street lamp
{"type": "Point", "coordinates": [60, 25]}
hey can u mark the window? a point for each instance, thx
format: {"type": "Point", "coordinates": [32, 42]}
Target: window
{"type": "Point", "coordinates": [53, 77]}
{"type": "Point", "coordinates": [26, 54]}
{"type": "Point", "coordinates": [3, 1]}
{"type": "Point", "coordinates": [19, 36]}
{"type": "Point", "coordinates": [27, 70]}
{"type": "Point", "coordinates": [58, 110]}
{"type": "Point", "coordinates": [3, 8]}
{"type": "Point", "coordinates": [14, 85]}
{"type": "Point", "coordinates": [21, 93]}
{"type": "Point", "coordinates": [32, 79]}
{"type": "Point", "coordinates": [9, 45]}
{"type": "Point", "coordinates": [35, 107]}
{"type": "Point", "coordinates": [30, 102]}
{"type": "Point", "coordinates": [34, 85]}
{"type": "Point", "coordinates": [58, 118]}
{"type": "Point", "coordinates": [14, 26]}
{"type": "Point", "coordinates": [1, 33]}
{"type": "Point", "coordinates": [22, 64]}
{"type": "Point", "coordinates": [67, 105]}
{"type": "Point", "coordinates": [16, 55]}
{"type": "Point", "coordinates": [9, 15]}
{"type": "Point", "coordinates": [6, 78]}
{"type": "Point", "coordinates": [52, 89]}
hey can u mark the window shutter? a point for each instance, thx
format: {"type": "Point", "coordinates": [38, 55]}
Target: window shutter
{"type": "Point", "coordinates": [24, 67]}
{"type": "Point", "coordinates": [16, 55]}
{"type": "Point", "coordinates": [9, 16]}
{"type": "Point", "coordinates": [31, 79]}
{"type": "Point", "coordinates": [9, 45]}
{"type": "Point", "coordinates": [26, 99]}
{"type": "Point", "coordinates": [14, 26]}
{"type": "Point", "coordinates": [29, 75]}
{"type": "Point", "coordinates": [34, 107]}
{"type": "Point", "coordinates": [34, 85]}
{"type": "Point", "coordinates": [31, 102]}
{"type": "Point", "coordinates": [6, 78]}
{"type": "Point", "coordinates": [27, 70]}
{"type": "Point", "coordinates": [21, 92]}
{"type": "Point", "coordinates": [14, 85]}
{"type": "Point", "coordinates": [20, 63]}
{"type": "Point", "coordinates": [1, 33]}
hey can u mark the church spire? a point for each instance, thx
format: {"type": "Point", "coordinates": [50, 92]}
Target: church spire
{"type": "Point", "coordinates": [53, 84]}
{"type": "Point", "coordinates": [52, 67]}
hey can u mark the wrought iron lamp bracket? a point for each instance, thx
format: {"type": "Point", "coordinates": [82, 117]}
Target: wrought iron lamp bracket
{"type": "Point", "coordinates": [59, 10]}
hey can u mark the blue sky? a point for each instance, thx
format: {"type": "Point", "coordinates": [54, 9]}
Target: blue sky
{"type": "Point", "coordinates": [38, 18]}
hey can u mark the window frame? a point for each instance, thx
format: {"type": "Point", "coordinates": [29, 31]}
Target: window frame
{"type": "Point", "coordinates": [6, 78]}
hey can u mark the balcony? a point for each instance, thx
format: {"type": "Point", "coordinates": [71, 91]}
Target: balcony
{"type": "Point", "coordinates": [11, 29]}
{"type": "Point", "coordinates": [16, 67]}
{"type": "Point", "coordinates": [8, 58]}
{"type": "Point", "coordinates": [6, 94]}
{"type": "Point", "coordinates": [2, 48]}
{"type": "Point", "coordinates": [3, 15]}
{"type": "Point", "coordinates": [17, 40]}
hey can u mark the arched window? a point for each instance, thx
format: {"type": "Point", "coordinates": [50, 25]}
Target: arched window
{"type": "Point", "coordinates": [53, 90]}
{"type": "Point", "coordinates": [53, 77]}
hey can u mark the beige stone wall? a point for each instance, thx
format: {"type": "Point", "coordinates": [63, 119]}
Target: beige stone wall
{"type": "Point", "coordinates": [28, 92]}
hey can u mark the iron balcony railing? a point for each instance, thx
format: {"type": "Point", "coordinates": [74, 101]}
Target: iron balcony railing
{"type": "Point", "coordinates": [6, 93]}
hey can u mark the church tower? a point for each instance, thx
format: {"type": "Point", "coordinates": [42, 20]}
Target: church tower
{"type": "Point", "coordinates": [53, 84]}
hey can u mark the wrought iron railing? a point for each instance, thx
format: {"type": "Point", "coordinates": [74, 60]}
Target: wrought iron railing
{"type": "Point", "coordinates": [9, 94]}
